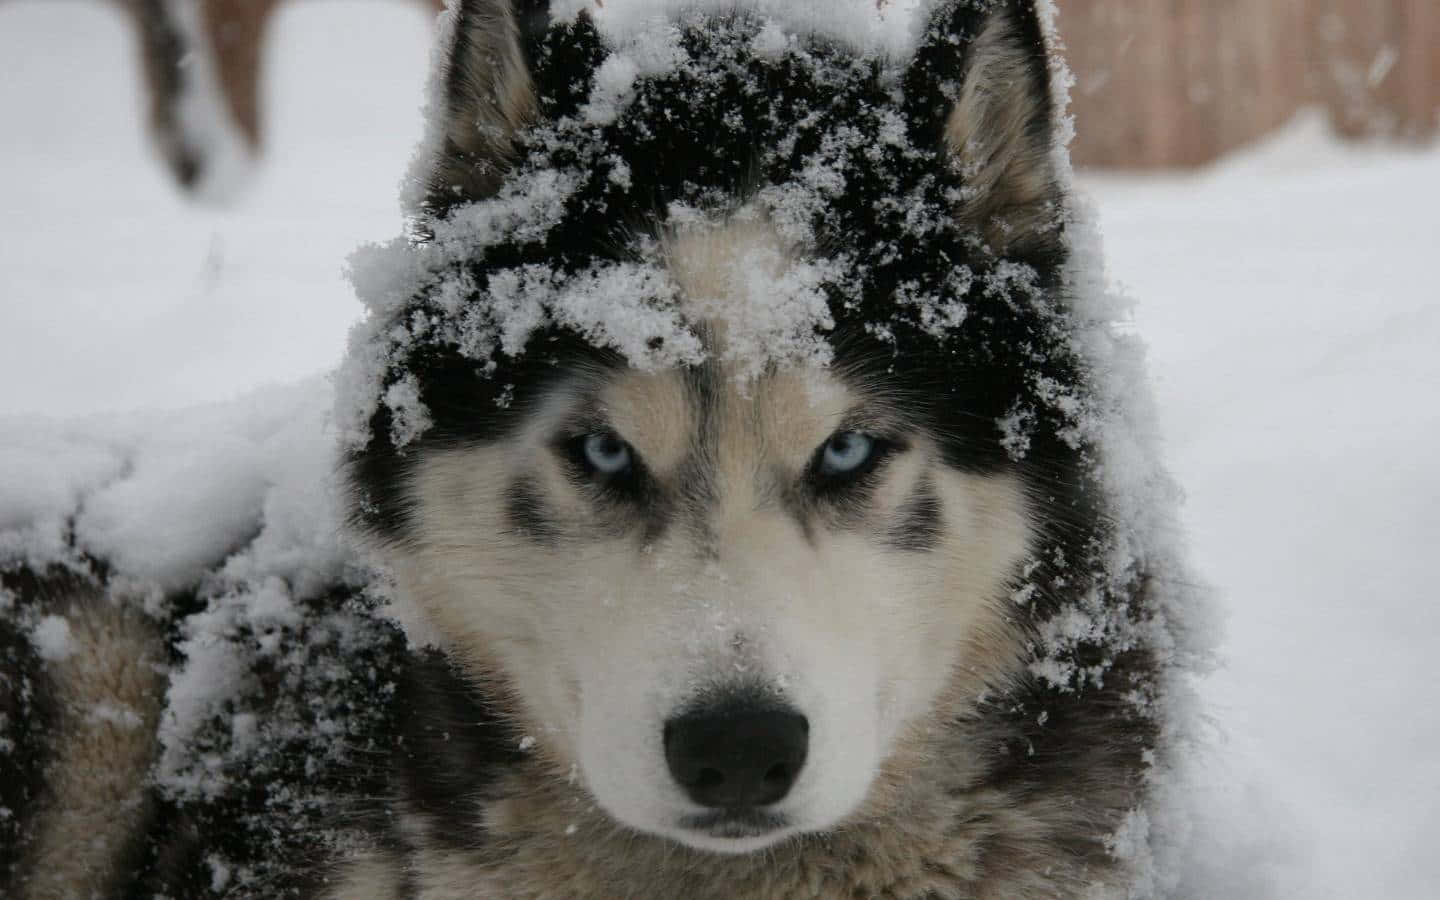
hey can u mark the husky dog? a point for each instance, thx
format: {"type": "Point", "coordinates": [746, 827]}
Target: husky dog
{"type": "Point", "coordinates": [732, 459]}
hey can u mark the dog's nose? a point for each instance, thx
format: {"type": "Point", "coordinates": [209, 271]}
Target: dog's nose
{"type": "Point", "coordinates": [732, 757]}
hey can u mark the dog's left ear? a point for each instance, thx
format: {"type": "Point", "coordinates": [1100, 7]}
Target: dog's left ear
{"type": "Point", "coordinates": [979, 86]}
{"type": "Point", "coordinates": [487, 95]}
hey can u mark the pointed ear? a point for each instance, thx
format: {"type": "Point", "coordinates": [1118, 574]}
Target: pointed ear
{"type": "Point", "coordinates": [980, 86]}
{"type": "Point", "coordinates": [487, 95]}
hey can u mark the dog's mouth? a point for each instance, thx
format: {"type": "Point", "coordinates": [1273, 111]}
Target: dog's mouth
{"type": "Point", "coordinates": [736, 824]}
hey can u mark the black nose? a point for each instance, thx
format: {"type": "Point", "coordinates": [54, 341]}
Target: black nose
{"type": "Point", "coordinates": [731, 757]}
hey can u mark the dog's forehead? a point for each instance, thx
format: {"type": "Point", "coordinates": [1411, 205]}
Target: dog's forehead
{"type": "Point", "coordinates": [718, 267]}
{"type": "Point", "coordinates": [713, 262]}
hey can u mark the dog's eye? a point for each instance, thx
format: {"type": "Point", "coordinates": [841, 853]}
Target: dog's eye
{"type": "Point", "coordinates": [604, 452]}
{"type": "Point", "coordinates": [845, 453]}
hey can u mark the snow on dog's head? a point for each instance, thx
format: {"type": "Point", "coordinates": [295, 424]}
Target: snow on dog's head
{"type": "Point", "coordinates": [726, 410]}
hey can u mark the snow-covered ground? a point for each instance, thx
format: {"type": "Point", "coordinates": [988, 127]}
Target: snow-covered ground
{"type": "Point", "coordinates": [115, 292]}
{"type": "Point", "coordinates": [1290, 300]}
{"type": "Point", "coordinates": [1288, 296]}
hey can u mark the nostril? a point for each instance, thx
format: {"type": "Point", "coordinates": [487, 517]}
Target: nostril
{"type": "Point", "coordinates": [737, 755]}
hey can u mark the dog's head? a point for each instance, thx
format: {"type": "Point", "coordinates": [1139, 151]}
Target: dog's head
{"type": "Point", "coordinates": [712, 434]}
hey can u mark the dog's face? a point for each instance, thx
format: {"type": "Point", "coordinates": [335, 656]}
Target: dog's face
{"type": "Point", "coordinates": [658, 561]}
{"type": "Point", "coordinates": [724, 592]}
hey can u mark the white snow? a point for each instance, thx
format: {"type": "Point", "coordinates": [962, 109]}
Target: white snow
{"type": "Point", "coordinates": [48, 467]}
{"type": "Point", "coordinates": [1290, 300]}
{"type": "Point", "coordinates": [888, 25]}
{"type": "Point", "coordinates": [159, 300]}
{"type": "Point", "coordinates": [1287, 295]}
{"type": "Point", "coordinates": [165, 496]}
{"type": "Point", "coordinates": [122, 717]}
{"type": "Point", "coordinates": [51, 638]}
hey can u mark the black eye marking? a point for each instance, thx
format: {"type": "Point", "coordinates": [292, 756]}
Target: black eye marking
{"type": "Point", "coordinates": [607, 470]}
{"type": "Point", "coordinates": [917, 525]}
{"type": "Point", "coordinates": [527, 514]}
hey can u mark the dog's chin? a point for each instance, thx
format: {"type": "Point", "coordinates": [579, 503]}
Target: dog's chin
{"type": "Point", "coordinates": [737, 832]}
{"type": "Point", "coordinates": [729, 838]}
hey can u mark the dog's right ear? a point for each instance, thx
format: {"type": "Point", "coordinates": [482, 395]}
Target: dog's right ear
{"type": "Point", "coordinates": [979, 86]}
{"type": "Point", "coordinates": [488, 94]}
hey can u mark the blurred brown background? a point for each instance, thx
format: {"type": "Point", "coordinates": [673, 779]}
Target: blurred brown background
{"type": "Point", "coordinates": [1163, 83]}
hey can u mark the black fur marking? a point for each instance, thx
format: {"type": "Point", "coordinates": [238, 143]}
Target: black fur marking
{"type": "Point", "coordinates": [526, 512]}
{"type": "Point", "coordinates": [281, 806]}
{"type": "Point", "coordinates": [657, 511]}
{"type": "Point", "coordinates": [28, 717]}
{"type": "Point", "coordinates": [621, 499]}
{"type": "Point", "coordinates": [694, 489]}
{"type": "Point", "coordinates": [799, 505]}
{"type": "Point", "coordinates": [454, 749]}
{"type": "Point", "coordinates": [563, 60]}
{"type": "Point", "coordinates": [918, 523]}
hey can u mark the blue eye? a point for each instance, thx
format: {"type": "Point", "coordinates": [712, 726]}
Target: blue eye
{"type": "Point", "coordinates": [845, 452]}
{"type": "Point", "coordinates": [606, 453]}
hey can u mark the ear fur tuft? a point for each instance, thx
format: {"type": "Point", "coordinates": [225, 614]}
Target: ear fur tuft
{"type": "Point", "coordinates": [489, 95]}
{"type": "Point", "coordinates": [999, 130]}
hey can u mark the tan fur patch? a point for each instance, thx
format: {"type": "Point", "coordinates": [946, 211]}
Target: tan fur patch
{"type": "Point", "coordinates": [110, 687]}
{"type": "Point", "coordinates": [370, 876]}
{"type": "Point", "coordinates": [707, 262]}
{"type": "Point", "coordinates": [652, 412]}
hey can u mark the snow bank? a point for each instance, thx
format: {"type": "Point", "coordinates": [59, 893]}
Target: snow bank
{"type": "Point", "coordinates": [118, 293]}
{"type": "Point", "coordinates": [164, 497]}
{"type": "Point", "coordinates": [1288, 295]}
{"type": "Point", "coordinates": [223, 523]}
